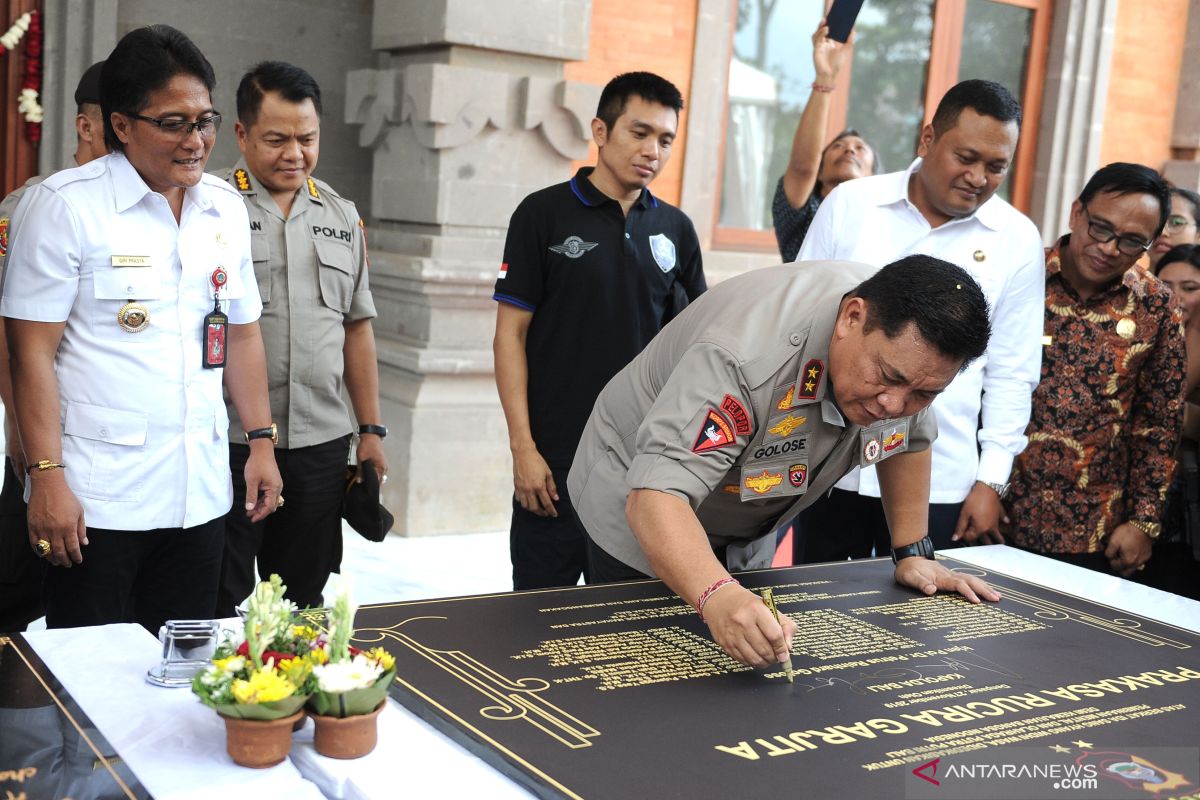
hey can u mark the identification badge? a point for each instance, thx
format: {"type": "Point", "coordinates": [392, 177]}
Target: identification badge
{"type": "Point", "coordinates": [215, 325]}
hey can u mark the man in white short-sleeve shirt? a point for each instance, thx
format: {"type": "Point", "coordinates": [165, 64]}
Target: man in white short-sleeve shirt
{"type": "Point", "coordinates": [113, 283]}
{"type": "Point", "coordinates": [944, 205]}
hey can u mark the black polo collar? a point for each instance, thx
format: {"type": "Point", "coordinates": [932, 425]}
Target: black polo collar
{"type": "Point", "coordinates": [589, 195]}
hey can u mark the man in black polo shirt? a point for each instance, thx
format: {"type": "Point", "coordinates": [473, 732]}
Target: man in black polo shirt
{"type": "Point", "coordinates": [593, 269]}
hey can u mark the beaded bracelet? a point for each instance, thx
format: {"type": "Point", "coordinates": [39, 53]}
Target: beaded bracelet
{"type": "Point", "coordinates": [820, 87]}
{"type": "Point", "coordinates": [710, 591]}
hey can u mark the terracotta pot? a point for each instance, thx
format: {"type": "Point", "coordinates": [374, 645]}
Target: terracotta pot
{"type": "Point", "coordinates": [259, 743]}
{"type": "Point", "coordinates": [347, 737]}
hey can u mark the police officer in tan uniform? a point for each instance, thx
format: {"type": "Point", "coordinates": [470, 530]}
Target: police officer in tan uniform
{"type": "Point", "coordinates": [753, 402]}
{"type": "Point", "coordinates": [310, 260]}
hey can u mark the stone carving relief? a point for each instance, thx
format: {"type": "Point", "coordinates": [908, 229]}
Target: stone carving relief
{"type": "Point", "coordinates": [448, 106]}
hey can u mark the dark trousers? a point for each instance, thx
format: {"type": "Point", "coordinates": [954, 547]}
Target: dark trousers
{"type": "Point", "coordinates": [846, 525]}
{"type": "Point", "coordinates": [21, 571]}
{"type": "Point", "coordinates": [548, 552]}
{"type": "Point", "coordinates": [301, 542]}
{"type": "Point", "coordinates": [603, 568]}
{"type": "Point", "coordinates": [147, 577]}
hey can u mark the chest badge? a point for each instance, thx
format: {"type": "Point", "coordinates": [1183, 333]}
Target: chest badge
{"type": "Point", "coordinates": [663, 250]}
{"type": "Point", "coordinates": [786, 426]}
{"type": "Point", "coordinates": [133, 317]}
{"type": "Point", "coordinates": [573, 247]}
{"type": "Point", "coordinates": [763, 482]}
{"type": "Point", "coordinates": [980, 256]}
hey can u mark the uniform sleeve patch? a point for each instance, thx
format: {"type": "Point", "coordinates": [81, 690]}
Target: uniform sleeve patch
{"type": "Point", "coordinates": [715, 432]}
{"type": "Point", "coordinates": [4, 236]}
{"type": "Point", "coordinates": [810, 381]}
{"type": "Point", "coordinates": [737, 412]}
{"type": "Point", "coordinates": [503, 272]}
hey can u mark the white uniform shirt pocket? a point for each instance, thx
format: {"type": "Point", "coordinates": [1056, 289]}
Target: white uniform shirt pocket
{"type": "Point", "coordinates": [112, 288]}
{"type": "Point", "coordinates": [103, 449]}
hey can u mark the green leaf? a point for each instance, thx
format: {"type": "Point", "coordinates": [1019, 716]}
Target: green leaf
{"type": "Point", "coordinates": [354, 702]}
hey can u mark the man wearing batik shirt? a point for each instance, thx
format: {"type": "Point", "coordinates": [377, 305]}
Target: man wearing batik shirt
{"type": "Point", "coordinates": [1091, 486]}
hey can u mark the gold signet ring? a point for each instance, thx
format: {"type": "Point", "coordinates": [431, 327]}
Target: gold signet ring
{"type": "Point", "coordinates": [279, 502]}
{"type": "Point", "coordinates": [42, 548]}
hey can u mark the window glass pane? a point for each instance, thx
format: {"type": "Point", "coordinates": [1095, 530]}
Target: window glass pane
{"type": "Point", "coordinates": [995, 47]}
{"type": "Point", "coordinates": [769, 78]}
{"type": "Point", "coordinates": [891, 59]}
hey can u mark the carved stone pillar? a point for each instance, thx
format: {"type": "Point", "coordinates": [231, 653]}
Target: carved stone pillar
{"type": "Point", "coordinates": [1184, 167]}
{"type": "Point", "coordinates": [466, 114]}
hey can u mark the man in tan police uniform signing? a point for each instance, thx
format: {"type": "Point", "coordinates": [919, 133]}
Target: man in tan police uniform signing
{"type": "Point", "coordinates": [750, 405]}
{"type": "Point", "coordinates": [310, 260]}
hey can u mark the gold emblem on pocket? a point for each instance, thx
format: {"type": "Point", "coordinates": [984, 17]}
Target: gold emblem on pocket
{"type": "Point", "coordinates": [133, 317]}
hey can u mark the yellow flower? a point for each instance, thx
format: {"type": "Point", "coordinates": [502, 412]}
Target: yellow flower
{"type": "Point", "coordinates": [263, 687]}
{"type": "Point", "coordinates": [382, 657]}
{"type": "Point", "coordinates": [234, 663]}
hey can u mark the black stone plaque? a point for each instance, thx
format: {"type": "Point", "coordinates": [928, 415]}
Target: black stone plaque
{"type": "Point", "coordinates": [48, 746]}
{"type": "Point", "coordinates": [617, 691]}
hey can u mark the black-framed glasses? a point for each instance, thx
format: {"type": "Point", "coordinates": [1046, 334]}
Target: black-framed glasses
{"type": "Point", "coordinates": [181, 128]}
{"type": "Point", "coordinates": [1103, 234]}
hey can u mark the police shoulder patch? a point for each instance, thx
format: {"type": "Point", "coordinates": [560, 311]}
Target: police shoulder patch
{"type": "Point", "coordinates": [737, 412]}
{"type": "Point", "coordinates": [715, 432]}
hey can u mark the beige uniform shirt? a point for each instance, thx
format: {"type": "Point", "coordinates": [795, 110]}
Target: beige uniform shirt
{"type": "Point", "coordinates": [312, 276]}
{"type": "Point", "coordinates": [729, 408]}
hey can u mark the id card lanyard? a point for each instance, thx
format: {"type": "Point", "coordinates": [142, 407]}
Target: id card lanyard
{"type": "Point", "coordinates": [215, 324]}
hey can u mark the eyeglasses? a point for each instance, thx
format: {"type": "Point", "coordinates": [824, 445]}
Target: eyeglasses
{"type": "Point", "coordinates": [181, 128]}
{"type": "Point", "coordinates": [1175, 222]}
{"type": "Point", "coordinates": [1103, 234]}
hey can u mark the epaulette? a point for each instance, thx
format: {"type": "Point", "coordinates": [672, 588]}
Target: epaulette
{"type": "Point", "coordinates": [241, 179]}
{"type": "Point", "coordinates": [312, 190]}
{"type": "Point", "coordinates": [89, 171]}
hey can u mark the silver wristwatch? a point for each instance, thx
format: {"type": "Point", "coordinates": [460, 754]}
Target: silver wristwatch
{"type": "Point", "coordinates": [999, 488]}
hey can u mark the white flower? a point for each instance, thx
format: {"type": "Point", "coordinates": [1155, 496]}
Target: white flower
{"type": "Point", "coordinates": [337, 678]}
{"type": "Point", "coordinates": [28, 105]}
{"type": "Point", "coordinates": [14, 34]}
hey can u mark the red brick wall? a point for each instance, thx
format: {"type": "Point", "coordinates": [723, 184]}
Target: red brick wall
{"type": "Point", "coordinates": [1142, 87]}
{"type": "Point", "coordinates": [658, 37]}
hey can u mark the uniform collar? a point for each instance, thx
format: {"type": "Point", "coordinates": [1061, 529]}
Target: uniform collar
{"type": "Point", "coordinates": [812, 373]}
{"type": "Point", "coordinates": [249, 185]}
{"type": "Point", "coordinates": [129, 188]}
{"type": "Point", "coordinates": [895, 190]}
{"type": "Point", "coordinates": [590, 196]}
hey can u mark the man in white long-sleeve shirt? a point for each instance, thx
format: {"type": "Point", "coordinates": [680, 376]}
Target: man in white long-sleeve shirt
{"type": "Point", "coordinates": [943, 205]}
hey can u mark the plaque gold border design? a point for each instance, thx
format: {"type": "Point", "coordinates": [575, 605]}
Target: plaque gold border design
{"type": "Point", "coordinates": [1124, 624]}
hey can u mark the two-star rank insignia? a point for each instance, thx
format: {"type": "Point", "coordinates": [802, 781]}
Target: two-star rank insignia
{"type": "Point", "coordinates": [763, 482]}
{"type": "Point", "coordinates": [242, 178]}
{"type": "Point", "coordinates": [716, 432]}
{"type": "Point", "coordinates": [810, 379]}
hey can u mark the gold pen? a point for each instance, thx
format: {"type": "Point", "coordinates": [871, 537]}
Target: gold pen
{"type": "Point", "coordinates": [768, 597]}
